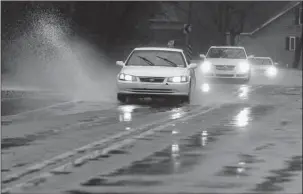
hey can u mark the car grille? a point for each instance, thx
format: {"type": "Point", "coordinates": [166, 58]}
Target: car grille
{"type": "Point", "coordinates": [145, 90]}
{"type": "Point", "coordinates": [152, 79]}
{"type": "Point", "coordinates": [225, 67]}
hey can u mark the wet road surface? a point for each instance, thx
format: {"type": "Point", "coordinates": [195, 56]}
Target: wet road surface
{"type": "Point", "coordinates": [232, 137]}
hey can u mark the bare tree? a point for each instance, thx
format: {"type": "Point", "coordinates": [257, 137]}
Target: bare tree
{"type": "Point", "coordinates": [230, 17]}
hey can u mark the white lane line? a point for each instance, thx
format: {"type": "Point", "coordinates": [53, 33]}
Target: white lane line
{"type": "Point", "coordinates": [82, 160]}
{"type": "Point", "coordinates": [39, 166]}
{"type": "Point", "coordinates": [38, 96]}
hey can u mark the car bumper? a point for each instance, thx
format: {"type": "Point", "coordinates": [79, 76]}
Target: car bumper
{"type": "Point", "coordinates": [232, 75]}
{"type": "Point", "coordinates": [153, 89]}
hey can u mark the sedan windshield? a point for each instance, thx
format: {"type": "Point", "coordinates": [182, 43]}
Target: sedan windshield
{"type": "Point", "coordinates": [156, 58]}
{"type": "Point", "coordinates": [261, 61]}
{"type": "Point", "coordinates": [228, 53]}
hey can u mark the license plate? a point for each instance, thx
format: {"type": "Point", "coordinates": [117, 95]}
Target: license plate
{"type": "Point", "coordinates": [224, 72]}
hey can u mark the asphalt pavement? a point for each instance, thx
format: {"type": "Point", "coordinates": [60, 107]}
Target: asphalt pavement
{"type": "Point", "coordinates": [233, 137]}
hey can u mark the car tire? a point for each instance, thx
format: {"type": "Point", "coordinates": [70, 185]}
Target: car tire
{"type": "Point", "coordinates": [122, 98]}
{"type": "Point", "coordinates": [186, 99]}
{"type": "Point", "coordinates": [246, 80]}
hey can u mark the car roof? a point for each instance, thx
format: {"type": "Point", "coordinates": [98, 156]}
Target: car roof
{"type": "Point", "coordinates": [157, 49]}
{"type": "Point", "coordinates": [238, 47]}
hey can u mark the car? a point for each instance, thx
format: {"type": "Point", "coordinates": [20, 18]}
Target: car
{"type": "Point", "coordinates": [155, 72]}
{"type": "Point", "coordinates": [264, 66]}
{"type": "Point", "coordinates": [226, 62]}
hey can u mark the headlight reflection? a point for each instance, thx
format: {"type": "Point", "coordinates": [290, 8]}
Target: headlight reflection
{"type": "Point", "coordinates": [175, 156]}
{"type": "Point", "coordinates": [126, 113]}
{"type": "Point", "coordinates": [241, 168]}
{"type": "Point", "coordinates": [205, 87]}
{"type": "Point", "coordinates": [204, 135]}
{"type": "Point", "coordinates": [242, 119]}
{"type": "Point", "coordinates": [243, 92]}
{"type": "Point", "coordinates": [178, 113]}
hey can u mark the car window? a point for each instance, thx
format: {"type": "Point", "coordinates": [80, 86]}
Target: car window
{"type": "Point", "coordinates": [261, 61]}
{"type": "Point", "coordinates": [156, 58]}
{"type": "Point", "coordinates": [228, 53]}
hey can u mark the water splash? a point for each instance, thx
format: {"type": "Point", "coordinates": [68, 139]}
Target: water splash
{"type": "Point", "coordinates": [45, 55]}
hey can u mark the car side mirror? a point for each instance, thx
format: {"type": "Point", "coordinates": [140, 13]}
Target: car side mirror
{"type": "Point", "coordinates": [276, 63]}
{"type": "Point", "coordinates": [202, 56]}
{"type": "Point", "coordinates": [192, 66]}
{"type": "Point", "coordinates": [120, 63]}
{"type": "Point", "coordinates": [250, 56]}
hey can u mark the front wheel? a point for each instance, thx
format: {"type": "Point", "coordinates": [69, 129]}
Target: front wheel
{"type": "Point", "coordinates": [122, 98]}
{"type": "Point", "coordinates": [246, 80]}
{"type": "Point", "coordinates": [185, 99]}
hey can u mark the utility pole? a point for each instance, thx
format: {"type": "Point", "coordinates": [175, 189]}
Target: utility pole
{"type": "Point", "coordinates": [188, 31]}
{"type": "Point", "coordinates": [189, 22]}
{"type": "Point", "coordinates": [301, 35]}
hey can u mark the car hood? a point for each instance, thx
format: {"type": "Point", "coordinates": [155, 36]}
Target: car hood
{"type": "Point", "coordinates": [221, 61]}
{"type": "Point", "coordinates": [146, 71]}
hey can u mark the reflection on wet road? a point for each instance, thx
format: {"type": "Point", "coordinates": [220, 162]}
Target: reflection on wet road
{"type": "Point", "coordinates": [223, 141]}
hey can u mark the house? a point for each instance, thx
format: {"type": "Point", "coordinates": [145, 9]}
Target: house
{"type": "Point", "coordinates": [278, 37]}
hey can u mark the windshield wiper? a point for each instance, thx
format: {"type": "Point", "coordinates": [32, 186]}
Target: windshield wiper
{"type": "Point", "coordinates": [170, 62]}
{"type": "Point", "coordinates": [146, 60]}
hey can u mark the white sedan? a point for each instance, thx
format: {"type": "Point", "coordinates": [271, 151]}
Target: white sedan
{"type": "Point", "coordinates": [153, 71]}
{"type": "Point", "coordinates": [226, 62]}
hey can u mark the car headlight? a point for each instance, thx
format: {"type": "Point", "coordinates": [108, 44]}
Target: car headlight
{"type": "Point", "coordinates": [126, 77]}
{"type": "Point", "coordinates": [272, 71]}
{"type": "Point", "coordinates": [206, 66]}
{"type": "Point", "coordinates": [244, 67]}
{"type": "Point", "coordinates": [178, 79]}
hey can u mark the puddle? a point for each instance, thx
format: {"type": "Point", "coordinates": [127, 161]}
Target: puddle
{"type": "Point", "coordinates": [64, 107]}
{"type": "Point", "coordinates": [6, 123]}
{"type": "Point", "coordinates": [20, 165]}
{"type": "Point", "coordinates": [117, 152]}
{"type": "Point", "coordinates": [108, 182]}
{"type": "Point", "coordinates": [241, 169]}
{"type": "Point", "coordinates": [177, 158]}
{"type": "Point", "coordinates": [8, 143]}
{"type": "Point", "coordinates": [237, 171]}
{"type": "Point", "coordinates": [295, 164]}
{"type": "Point", "coordinates": [218, 185]}
{"type": "Point", "coordinates": [281, 176]}
{"type": "Point", "coordinates": [250, 159]}
{"type": "Point", "coordinates": [263, 147]}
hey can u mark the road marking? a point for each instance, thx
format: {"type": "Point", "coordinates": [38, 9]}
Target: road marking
{"type": "Point", "coordinates": [83, 159]}
{"type": "Point", "coordinates": [59, 158]}
{"type": "Point", "coordinates": [95, 154]}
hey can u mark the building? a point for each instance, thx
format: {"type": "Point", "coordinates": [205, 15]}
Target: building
{"type": "Point", "coordinates": [278, 37]}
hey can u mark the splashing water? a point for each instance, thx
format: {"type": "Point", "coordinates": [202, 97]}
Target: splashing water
{"type": "Point", "coordinates": [45, 56]}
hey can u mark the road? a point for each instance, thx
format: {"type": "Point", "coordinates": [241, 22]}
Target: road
{"type": "Point", "coordinates": [232, 137]}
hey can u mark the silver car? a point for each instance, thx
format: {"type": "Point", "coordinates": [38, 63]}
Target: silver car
{"type": "Point", "coordinates": [154, 72]}
{"type": "Point", "coordinates": [264, 66]}
{"type": "Point", "coordinates": [226, 62]}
